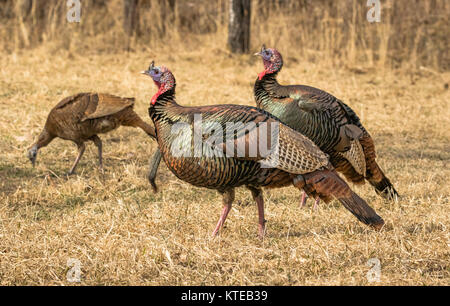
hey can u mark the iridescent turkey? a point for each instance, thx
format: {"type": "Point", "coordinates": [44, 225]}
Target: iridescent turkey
{"type": "Point", "coordinates": [326, 120]}
{"type": "Point", "coordinates": [219, 147]}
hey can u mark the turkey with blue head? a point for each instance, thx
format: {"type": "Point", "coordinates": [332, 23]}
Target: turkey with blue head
{"type": "Point", "coordinates": [330, 123]}
{"type": "Point", "coordinates": [222, 147]}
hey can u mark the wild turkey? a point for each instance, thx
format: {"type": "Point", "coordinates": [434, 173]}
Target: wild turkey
{"type": "Point", "coordinates": [326, 120]}
{"type": "Point", "coordinates": [81, 117]}
{"type": "Point", "coordinates": [195, 149]}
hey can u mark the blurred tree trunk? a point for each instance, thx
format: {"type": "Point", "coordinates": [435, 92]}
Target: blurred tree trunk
{"type": "Point", "coordinates": [23, 10]}
{"type": "Point", "coordinates": [25, 7]}
{"type": "Point", "coordinates": [239, 26]}
{"type": "Point", "coordinates": [167, 8]}
{"type": "Point", "coordinates": [131, 19]}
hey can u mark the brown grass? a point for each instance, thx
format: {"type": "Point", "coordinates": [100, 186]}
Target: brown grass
{"type": "Point", "coordinates": [410, 34]}
{"type": "Point", "coordinates": [123, 234]}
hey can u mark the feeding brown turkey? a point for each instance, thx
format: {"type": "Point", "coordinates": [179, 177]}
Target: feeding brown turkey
{"type": "Point", "coordinates": [82, 117]}
{"type": "Point", "coordinates": [330, 123]}
{"type": "Point", "coordinates": [199, 147]}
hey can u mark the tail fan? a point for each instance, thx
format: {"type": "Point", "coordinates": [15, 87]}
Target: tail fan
{"type": "Point", "coordinates": [375, 175]}
{"type": "Point", "coordinates": [384, 187]}
{"type": "Point", "coordinates": [361, 210]}
{"type": "Point", "coordinates": [326, 183]}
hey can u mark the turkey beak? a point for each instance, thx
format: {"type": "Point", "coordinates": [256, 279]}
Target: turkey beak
{"type": "Point", "coordinates": [257, 54]}
{"type": "Point", "coordinates": [145, 72]}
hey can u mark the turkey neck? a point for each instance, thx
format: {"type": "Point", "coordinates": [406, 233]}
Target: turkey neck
{"type": "Point", "coordinates": [165, 108]}
{"type": "Point", "coordinates": [271, 96]}
{"type": "Point", "coordinates": [276, 99]}
{"type": "Point", "coordinates": [280, 101]}
{"type": "Point", "coordinates": [265, 89]}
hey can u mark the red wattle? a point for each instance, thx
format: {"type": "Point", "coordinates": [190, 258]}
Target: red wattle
{"type": "Point", "coordinates": [261, 75]}
{"type": "Point", "coordinates": [155, 97]}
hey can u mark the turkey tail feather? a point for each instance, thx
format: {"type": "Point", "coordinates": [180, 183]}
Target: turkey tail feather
{"type": "Point", "coordinates": [383, 186]}
{"type": "Point", "coordinates": [326, 183]}
{"type": "Point", "coordinates": [375, 175]}
{"type": "Point", "coordinates": [361, 210]}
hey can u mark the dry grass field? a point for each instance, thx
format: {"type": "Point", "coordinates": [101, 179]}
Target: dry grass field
{"type": "Point", "coordinates": [394, 74]}
{"type": "Point", "coordinates": [123, 234]}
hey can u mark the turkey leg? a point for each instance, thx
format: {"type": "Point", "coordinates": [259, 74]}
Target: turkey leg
{"type": "Point", "coordinates": [258, 197]}
{"type": "Point", "coordinates": [81, 148]}
{"type": "Point", "coordinates": [98, 143]}
{"type": "Point", "coordinates": [228, 198]}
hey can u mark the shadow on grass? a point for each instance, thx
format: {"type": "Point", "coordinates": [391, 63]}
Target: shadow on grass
{"type": "Point", "coordinates": [12, 176]}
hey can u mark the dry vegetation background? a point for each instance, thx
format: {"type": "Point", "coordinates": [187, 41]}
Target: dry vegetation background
{"type": "Point", "coordinates": [394, 74]}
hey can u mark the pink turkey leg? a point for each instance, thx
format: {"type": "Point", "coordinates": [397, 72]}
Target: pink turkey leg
{"type": "Point", "coordinates": [223, 217]}
{"type": "Point", "coordinates": [316, 203]}
{"type": "Point", "coordinates": [303, 202]}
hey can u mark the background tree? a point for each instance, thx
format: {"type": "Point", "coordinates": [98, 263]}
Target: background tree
{"type": "Point", "coordinates": [131, 19]}
{"type": "Point", "coordinates": [239, 26]}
